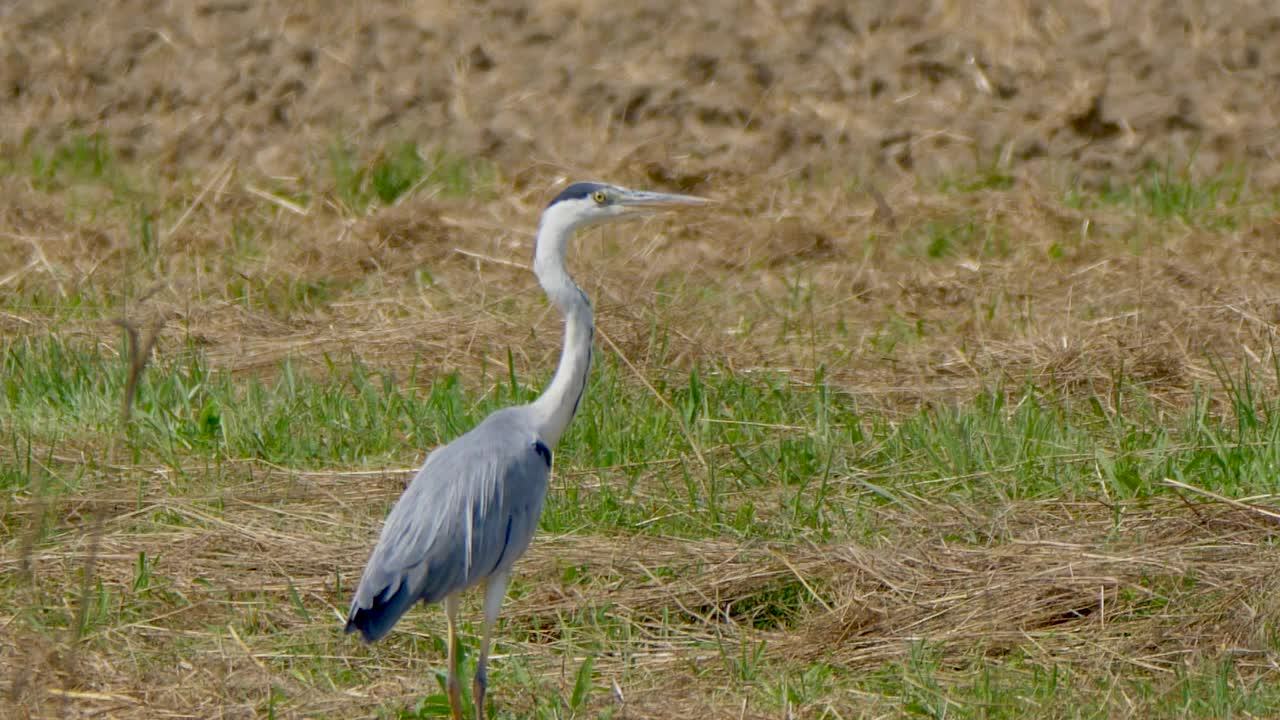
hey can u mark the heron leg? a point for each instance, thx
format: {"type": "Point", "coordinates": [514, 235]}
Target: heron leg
{"type": "Point", "coordinates": [451, 685]}
{"type": "Point", "coordinates": [494, 590]}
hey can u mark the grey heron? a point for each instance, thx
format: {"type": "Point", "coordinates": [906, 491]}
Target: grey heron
{"type": "Point", "coordinates": [473, 507]}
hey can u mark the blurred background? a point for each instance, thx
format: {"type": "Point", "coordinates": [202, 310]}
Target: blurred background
{"type": "Point", "coordinates": [738, 90]}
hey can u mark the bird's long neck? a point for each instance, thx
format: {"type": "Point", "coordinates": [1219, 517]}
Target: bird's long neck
{"type": "Point", "coordinates": [555, 407]}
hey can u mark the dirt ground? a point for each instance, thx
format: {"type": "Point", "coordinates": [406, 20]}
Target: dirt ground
{"type": "Point", "coordinates": [719, 93]}
{"type": "Point", "coordinates": [826, 127]}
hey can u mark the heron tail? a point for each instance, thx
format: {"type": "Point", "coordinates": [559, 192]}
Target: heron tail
{"type": "Point", "coordinates": [375, 621]}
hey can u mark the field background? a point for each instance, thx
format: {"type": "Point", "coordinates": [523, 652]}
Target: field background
{"type": "Point", "coordinates": [961, 404]}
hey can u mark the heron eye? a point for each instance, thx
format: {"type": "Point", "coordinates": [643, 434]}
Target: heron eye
{"type": "Point", "coordinates": [599, 197]}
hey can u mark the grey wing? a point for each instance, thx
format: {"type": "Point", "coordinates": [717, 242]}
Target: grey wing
{"type": "Point", "coordinates": [470, 512]}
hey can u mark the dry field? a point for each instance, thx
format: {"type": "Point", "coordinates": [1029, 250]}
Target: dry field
{"type": "Point", "coordinates": [962, 402]}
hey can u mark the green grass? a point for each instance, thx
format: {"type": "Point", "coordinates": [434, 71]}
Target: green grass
{"type": "Point", "coordinates": [1168, 193]}
{"type": "Point", "coordinates": [81, 159]}
{"type": "Point", "coordinates": [809, 443]}
{"type": "Point", "coordinates": [943, 239]}
{"type": "Point", "coordinates": [1022, 687]}
{"type": "Point", "coordinates": [987, 176]}
{"type": "Point", "coordinates": [403, 168]}
{"type": "Point", "coordinates": [85, 170]}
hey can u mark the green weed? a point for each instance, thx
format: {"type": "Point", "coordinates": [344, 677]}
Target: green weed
{"type": "Point", "coordinates": [400, 169]}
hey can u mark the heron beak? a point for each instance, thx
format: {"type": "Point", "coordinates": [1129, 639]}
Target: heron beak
{"type": "Point", "coordinates": [641, 200]}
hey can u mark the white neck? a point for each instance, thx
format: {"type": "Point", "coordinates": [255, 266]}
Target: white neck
{"type": "Point", "coordinates": [555, 407]}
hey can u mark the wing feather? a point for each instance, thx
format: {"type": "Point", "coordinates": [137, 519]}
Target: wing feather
{"type": "Point", "coordinates": [471, 510]}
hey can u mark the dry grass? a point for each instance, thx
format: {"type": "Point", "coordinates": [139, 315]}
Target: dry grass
{"type": "Point", "coordinates": [1153, 589]}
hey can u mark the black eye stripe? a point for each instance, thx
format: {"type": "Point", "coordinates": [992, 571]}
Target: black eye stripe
{"type": "Point", "coordinates": [578, 190]}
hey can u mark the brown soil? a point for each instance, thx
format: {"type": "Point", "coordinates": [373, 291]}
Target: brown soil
{"type": "Point", "coordinates": [715, 94]}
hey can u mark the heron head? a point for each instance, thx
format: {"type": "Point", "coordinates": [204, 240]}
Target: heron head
{"type": "Point", "coordinates": [587, 203]}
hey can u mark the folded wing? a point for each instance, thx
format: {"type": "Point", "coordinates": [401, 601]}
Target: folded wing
{"type": "Point", "coordinates": [470, 511]}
